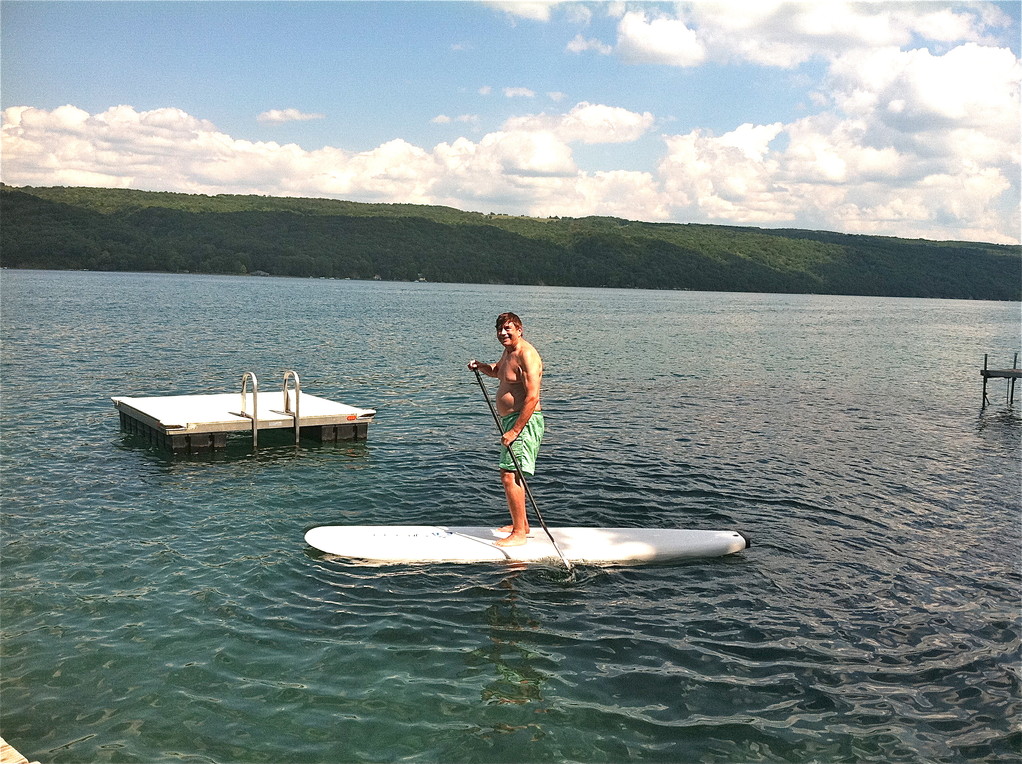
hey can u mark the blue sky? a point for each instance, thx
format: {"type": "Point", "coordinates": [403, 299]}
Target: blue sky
{"type": "Point", "coordinates": [891, 117]}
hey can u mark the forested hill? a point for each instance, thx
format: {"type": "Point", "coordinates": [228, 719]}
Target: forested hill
{"type": "Point", "coordinates": [108, 229]}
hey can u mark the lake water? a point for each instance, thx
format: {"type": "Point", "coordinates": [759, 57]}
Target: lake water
{"type": "Point", "coordinates": [160, 608]}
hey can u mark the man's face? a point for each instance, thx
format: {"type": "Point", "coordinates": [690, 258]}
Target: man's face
{"type": "Point", "coordinates": [509, 333]}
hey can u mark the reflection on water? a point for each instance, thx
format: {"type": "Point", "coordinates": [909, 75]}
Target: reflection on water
{"type": "Point", "coordinates": [274, 445]}
{"type": "Point", "coordinates": [1008, 417]}
{"type": "Point", "coordinates": [518, 680]}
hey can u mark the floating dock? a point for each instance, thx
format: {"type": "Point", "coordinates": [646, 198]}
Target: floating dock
{"type": "Point", "coordinates": [9, 755]}
{"type": "Point", "coordinates": [1010, 374]}
{"type": "Point", "coordinates": [198, 423]}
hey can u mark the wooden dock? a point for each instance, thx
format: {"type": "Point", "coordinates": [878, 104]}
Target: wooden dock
{"type": "Point", "coordinates": [198, 423]}
{"type": "Point", "coordinates": [8, 754]}
{"type": "Point", "coordinates": [1010, 374]}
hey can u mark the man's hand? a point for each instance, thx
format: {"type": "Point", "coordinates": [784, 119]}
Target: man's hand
{"type": "Point", "coordinates": [509, 437]}
{"type": "Point", "coordinates": [489, 369]}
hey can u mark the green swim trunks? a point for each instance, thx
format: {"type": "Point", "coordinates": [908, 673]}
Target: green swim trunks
{"type": "Point", "coordinates": [526, 445]}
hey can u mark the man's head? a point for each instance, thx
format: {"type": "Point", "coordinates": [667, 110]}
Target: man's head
{"type": "Point", "coordinates": [509, 329]}
{"type": "Point", "coordinates": [506, 318]}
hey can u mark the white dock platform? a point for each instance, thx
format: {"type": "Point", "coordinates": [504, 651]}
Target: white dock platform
{"type": "Point", "coordinates": [195, 423]}
{"type": "Point", "coordinates": [10, 755]}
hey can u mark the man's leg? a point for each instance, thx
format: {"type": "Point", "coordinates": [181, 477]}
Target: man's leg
{"type": "Point", "coordinates": [515, 492]}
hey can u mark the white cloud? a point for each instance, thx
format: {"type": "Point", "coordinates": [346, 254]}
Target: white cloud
{"type": "Point", "coordinates": [287, 115]}
{"type": "Point", "coordinates": [519, 93]}
{"type": "Point", "coordinates": [725, 178]}
{"type": "Point", "coordinates": [915, 90]}
{"type": "Point", "coordinates": [580, 45]}
{"type": "Point", "coordinates": [786, 34]}
{"type": "Point", "coordinates": [889, 156]}
{"type": "Point", "coordinates": [128, 148]}
{"type": "Point", "coordinates": [917, 144]}
{"type": "Point", "coordinates": [395, 170]}
{"type": "Point", "coordinates": [828, 150]}
{"type": "Point", "coordinates": [533, 11]}
{"type": "Point", "coordinates": [531, 153]}
{"type": "Point", "coordinates": [443, 119]}
{"type": "Point", "coordinates": [588, 123]}
{"type": "Point", "coordinates": [618, 193]}
{"type": "Point", "coordinates": [658, 41]}
{"type": "Point", "coordinates": [916, 94]}
{"type": "Point", "coordinates": [578, 13]}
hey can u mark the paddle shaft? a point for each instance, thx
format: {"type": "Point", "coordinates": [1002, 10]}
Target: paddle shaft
{"type": "Point", "coordinates": [518, 471]}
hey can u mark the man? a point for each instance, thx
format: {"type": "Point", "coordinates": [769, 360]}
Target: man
{"type": "Point", "coordinates": [520, 371]}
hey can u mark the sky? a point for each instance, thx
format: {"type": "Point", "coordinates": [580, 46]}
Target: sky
{"type": "Point", "coordinates": [892, 118]}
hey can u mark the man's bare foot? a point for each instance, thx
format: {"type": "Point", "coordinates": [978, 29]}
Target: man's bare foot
{"type": "Point", "coordinates": [515, 539]}
{"type": "Point", "coordinates": [510, 529]}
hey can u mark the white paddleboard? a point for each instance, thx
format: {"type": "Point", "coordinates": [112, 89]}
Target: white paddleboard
{"type": "Point", "coordinates": [438, 543]}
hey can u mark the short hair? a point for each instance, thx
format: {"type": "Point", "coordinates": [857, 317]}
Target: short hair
{"type": "Point", "coordinates": [508, 317]}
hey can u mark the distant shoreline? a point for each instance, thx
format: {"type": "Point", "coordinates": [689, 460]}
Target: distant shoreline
{"type": "Point", "coordinates": [125, 230]}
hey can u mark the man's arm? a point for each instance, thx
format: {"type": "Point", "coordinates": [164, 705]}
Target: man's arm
{"type": "Point", "coordinates": [489, 369]}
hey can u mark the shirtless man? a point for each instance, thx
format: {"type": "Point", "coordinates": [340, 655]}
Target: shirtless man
{"type": "Point", "coordinates": [520, 371]}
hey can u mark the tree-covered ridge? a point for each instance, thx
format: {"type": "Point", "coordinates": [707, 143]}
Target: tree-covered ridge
{"type": "Point", "coordinates": [116, 229]}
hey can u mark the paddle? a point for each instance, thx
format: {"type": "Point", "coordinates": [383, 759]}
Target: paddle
{"type": "Point", "coordinates": [518, 471]}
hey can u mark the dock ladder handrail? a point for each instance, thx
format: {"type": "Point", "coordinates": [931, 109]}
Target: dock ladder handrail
{"type": "Point", "coordinates": [296, 414]}
{"type": "Point", "coordinates": [254, 416]}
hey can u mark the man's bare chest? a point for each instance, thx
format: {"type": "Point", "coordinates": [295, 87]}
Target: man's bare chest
{"type": "Point", "coordinates": [509, 369]}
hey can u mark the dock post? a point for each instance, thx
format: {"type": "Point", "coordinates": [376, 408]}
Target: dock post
{"type": "Point", "coordinates": [1011, 385]}
{"type": "Point", "coordinates": [985, 399]}
{"type": "Point", "coordinates": [1009, 374]}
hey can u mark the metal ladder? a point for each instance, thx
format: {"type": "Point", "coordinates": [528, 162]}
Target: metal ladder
{"type": "Point", "coordinates": [295, 413]}
{"type": "Point", "coordinates": [287, 402]}
{"type": "Point", "coordinates": [254, 416]}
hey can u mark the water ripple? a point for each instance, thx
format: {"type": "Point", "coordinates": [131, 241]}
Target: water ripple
{"type": "Point", "coordinates": [165, 608]}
